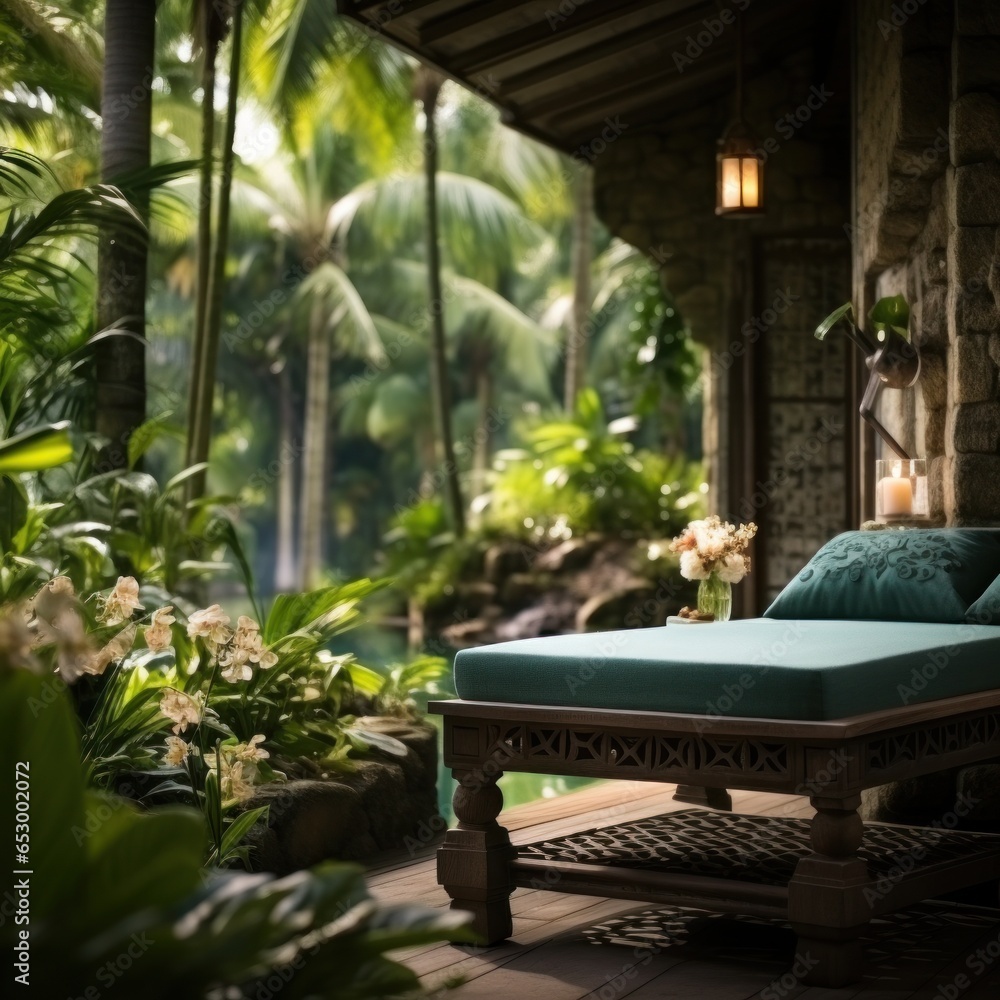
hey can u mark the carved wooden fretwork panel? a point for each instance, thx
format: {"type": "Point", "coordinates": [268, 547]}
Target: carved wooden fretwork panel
{"type": "Point", "coordinates": [932, 741]}
{"type": "Point", "coordinates": [648, 754]}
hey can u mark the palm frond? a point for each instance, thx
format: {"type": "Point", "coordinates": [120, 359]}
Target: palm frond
{"type": "Point", "coordinates": [482, 230]}
{"type": "Point", "coordinates": [347, 316]}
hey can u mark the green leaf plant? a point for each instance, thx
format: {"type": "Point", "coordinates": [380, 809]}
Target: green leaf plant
{"type": "Point", "coordinates": [890, 312]}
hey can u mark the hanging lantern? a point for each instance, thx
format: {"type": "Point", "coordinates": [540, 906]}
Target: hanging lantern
{"type": "Point", "coordinates": [739, 185]}
{"type": "Point", "coordinates": [739, 174]}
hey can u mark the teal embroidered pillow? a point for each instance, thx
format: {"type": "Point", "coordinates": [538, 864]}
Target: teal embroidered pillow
{"type": "Point", "coordinates": [986, 610]}
{"type": "Point", "coordinates": [913, 575]}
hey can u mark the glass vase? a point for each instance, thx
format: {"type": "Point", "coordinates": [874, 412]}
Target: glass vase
{"type": "Point", "coordinates": [715, 597]}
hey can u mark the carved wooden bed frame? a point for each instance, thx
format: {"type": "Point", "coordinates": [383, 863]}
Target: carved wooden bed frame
{"type": "Point", "coordinates": [827, 878]}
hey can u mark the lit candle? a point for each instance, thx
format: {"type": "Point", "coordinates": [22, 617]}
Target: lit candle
{"type": "Point", "coordinates": [731, 182]}
{"type": "Point", "coordinates": [750, 183]}
{"type": "Point", "coordinates": [897, 495]}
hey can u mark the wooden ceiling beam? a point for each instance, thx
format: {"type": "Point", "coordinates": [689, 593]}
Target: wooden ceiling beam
{"type": "Point", "coordinates": [566, 101]}
{"type": "Point", "coordinates": [367, 8]}
{"type": "Point", "coordinates": [472, 16]}
{"type": "Point", "coordinates": [712, 65]}
{"type": "Point", "coordinates": [586, 17]}
{"type": "Point", "coordinates": [675, 24]}
{"type": "Point", "coordinates": [582, 124]}
{"type": "Point", "coordinates": [610, 85]}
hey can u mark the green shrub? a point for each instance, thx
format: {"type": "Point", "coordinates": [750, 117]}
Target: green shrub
{"type": "Point", "coordinates": [575, 476]}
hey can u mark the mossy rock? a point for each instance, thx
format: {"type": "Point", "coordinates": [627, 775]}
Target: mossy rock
{"type": "Point", "coordinates": [385, 804]}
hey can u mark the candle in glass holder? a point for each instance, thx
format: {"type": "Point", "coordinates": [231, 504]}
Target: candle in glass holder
{"type": "Point", "coordinates": [901, 489]}
{"type": "Point", "coordinates": [897, 495]}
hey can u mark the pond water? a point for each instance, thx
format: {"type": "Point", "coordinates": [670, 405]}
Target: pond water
{"type": "Point", "coordinates": [380, 645]}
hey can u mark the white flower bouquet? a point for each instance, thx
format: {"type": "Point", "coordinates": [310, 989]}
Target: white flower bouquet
{"type": "Point", "coordinates": [714, 546]}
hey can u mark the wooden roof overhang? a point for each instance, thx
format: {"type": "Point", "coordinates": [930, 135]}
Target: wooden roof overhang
{"type": "Point", "coordinates": [562, 71]}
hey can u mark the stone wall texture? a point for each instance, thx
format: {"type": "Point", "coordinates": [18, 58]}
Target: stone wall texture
{"type": "Point", "coordinates": [928, 196]}
{"type": "Point", "coordinates": [655, 189]}
{"type": "Point", "coordinates": [925, 222]}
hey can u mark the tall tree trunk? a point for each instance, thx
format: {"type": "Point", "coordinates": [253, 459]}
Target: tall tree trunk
{"type": "Point", "coordinates": [315, 445]}
{"type": "Point", "coordinates": [428, 83]}
{"type": "Point", "coordinates": [484, 432]}
{"type": "Point", "coordinates": [203, 246]}
{"type": "Point", "coordinates": [126, 101]}
{"type": "Point", "coordinates": [212, 322]}
{"type": "Point", "coordinates": [284, 562]}
{"type": "Point", "coordinates": [576, 340]}
{"type": "Point", "coordinates": [416, 625]}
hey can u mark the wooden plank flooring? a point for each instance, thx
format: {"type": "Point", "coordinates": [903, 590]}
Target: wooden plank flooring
{"type": "Point", "coordinates": [568, 947]}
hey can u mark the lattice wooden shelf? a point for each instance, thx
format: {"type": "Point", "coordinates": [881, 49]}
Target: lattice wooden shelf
{"type": "Point", "coordinates": [754, 857]}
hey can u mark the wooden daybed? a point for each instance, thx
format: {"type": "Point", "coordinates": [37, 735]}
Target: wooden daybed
{"type": "Point", "coordinates": [714, 706]}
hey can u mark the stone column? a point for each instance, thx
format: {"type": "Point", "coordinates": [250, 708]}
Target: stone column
{"type": "Point", "coordinates": [972, 439]}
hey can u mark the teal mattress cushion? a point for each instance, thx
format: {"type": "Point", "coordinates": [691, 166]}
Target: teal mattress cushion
{"type": "Point", "coordinates": [914, 575]}
{"type": "Point", "coordinates": [762, 668]}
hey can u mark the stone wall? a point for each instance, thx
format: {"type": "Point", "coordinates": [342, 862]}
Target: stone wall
{"type": "Point", "coordinates": [928, 140]}
{"type": "Point", "coordinates": [928, 196]}
{"type": "Point", "coordinates": [656, 190]}
{"type": "Point", "coordinates": [925, 223]}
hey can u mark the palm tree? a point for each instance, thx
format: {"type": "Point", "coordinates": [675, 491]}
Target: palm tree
{"type": "Point", "coordinates": [306, 63]}
{"type": "Point", "coordinates": [126, 99]}
{"type": "Point", "coordinates": [427, 88]}
{"type": "Point", "coordinates": [486, 240]}
{"type": "Point", "coordinates": [504, 358]}
{"type": "Point", "coordinates": [582, 258]}
{"type": "Point", "coordinates": [299, 196]}
{"type": "Point", "coordinates": [212, 241]}
{"type": "Point", "coordinates": [50, 79]}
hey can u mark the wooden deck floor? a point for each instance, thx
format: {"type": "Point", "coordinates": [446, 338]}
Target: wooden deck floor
{"type": "Point", "coordinates": [568, 947]}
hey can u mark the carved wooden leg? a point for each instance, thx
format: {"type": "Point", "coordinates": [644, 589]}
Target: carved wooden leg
{"type": "Point", "coordinates": [473, 864]}
{"type": "Point", "coordinates": [826, 902]}
{"type": "Point", "coordinates": [701, 795]}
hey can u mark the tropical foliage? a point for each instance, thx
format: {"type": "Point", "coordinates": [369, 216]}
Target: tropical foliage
{"type": "Point", "coordinates": [581, 474]}
{"type": "Point", "coordinates": [120, 900]}
{"type": "Point", "coordinates": [286, 321]}
{"type": "Point", "coordinates": [195, 707]}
